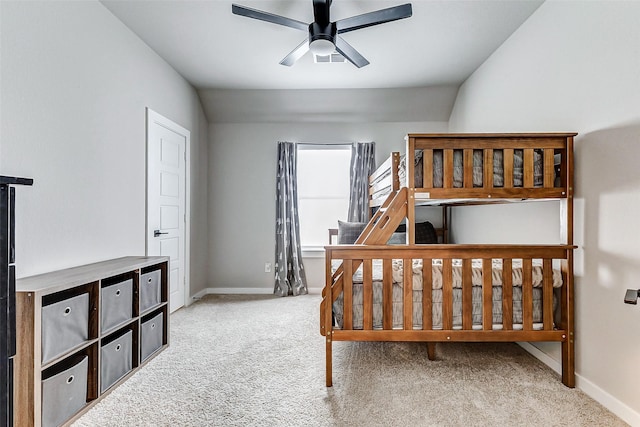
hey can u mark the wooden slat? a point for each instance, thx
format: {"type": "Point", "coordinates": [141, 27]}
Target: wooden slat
{"type": "Point", "coordinates": [547, 294]}
{"type": "Point", "coordinates": [427, 168]}
{"type": "Point", "coordinates": [487, 293]}
{"type": "Point", "coordinates": [487, 169]}
{"type": "Point", "coordinates": [347, 295]}
{"type": "Point", "coordinates": [507, 155]}
{"type": "Point", "coordinates": [387, 296]}
{"type": "Point", "coordinates": [449, 336]}
{"type": "Point", "coordinates": [427, 294]}
{"type": "Point", "coordinates": [468, 167]}
{"type": "Point", "coordinates": [467, 295]}
{"type": "Point", "coordinates": [527, 168]}
{"type": "Point", "coordinates": [367, 294]}
{"type": "Point", "coordinates": [549, 171]}
{"type": "Point", "coordinates": [385, 184]}
{"type": "Point", "coordinates": [439, 251]}
{"type": "Point", "coordinates": [447, 165]}
{"type": "Point", "coordinates": [407, 294]}
{"type": "Point", "coordinates": [447, 294]}
{"type": "Point", "coordinates": [482, 141]}
{"type": "Point", "coordinates": [527, 295]}
{"type": "Point", "coordinates": [383, 169]}
{"type": "Point", "coordinates": [485, 196]}
{"type": "Point", "coordinates": [507, 294]}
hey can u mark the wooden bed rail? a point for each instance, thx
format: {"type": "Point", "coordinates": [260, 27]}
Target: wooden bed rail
{"type": "Point", "coordinates": [457, 178]}
{"type": "Point", "coordinates": [543, 173]}
{"type": "Point", "coordinates": [353, 256]}
{"type": "Point", "coordinates": [384, 180]}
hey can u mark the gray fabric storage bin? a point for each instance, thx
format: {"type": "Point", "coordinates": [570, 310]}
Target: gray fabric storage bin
{"type": "Point", "coordinates": [149, 290]}
{"type": "Point", "coordinates": [64, 394]}
{"type": "Point", "coordinates": [151, 336]}
{"type": "Point", "coordinates": [116, 304]}
{"type": "Point", "coordinates": [116, 360]}
{"type": "Point", "coordinates": [65, 324]}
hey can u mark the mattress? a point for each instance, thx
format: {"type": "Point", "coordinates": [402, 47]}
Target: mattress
{"type": "Point", "coordinates": [436, 295]}
{"type": "Point", "coordinates": [478, 169]}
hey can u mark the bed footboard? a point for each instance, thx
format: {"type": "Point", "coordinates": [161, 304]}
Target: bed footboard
{"type": "Point", "coordinates": [398, 293]}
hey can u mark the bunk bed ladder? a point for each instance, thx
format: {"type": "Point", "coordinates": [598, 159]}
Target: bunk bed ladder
{"type": "Point", "coordinates": [377, 232]}
{"type": "Point", "coordinates": [386, 219]}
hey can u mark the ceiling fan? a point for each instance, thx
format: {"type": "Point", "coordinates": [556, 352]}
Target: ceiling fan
{"type": "Point", "coordinates": [324, 35]}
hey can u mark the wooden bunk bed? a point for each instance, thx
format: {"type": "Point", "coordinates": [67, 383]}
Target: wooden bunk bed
{"type": "Point", "coordinates": [492, 292]}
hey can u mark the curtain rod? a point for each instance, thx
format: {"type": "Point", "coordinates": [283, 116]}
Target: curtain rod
{"type": "Point", "coordinates": [324, 143]}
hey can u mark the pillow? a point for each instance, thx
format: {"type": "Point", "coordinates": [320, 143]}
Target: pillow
{"type": "Point", "coordinates": [348, 232]}
{"type": "Point", "coordinates": [425, 233]}
{"type": "Point", "coordinates": [397, 239]}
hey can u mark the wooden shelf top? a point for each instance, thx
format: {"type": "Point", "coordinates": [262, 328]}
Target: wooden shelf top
{"type": "Point", "coordinates": [70, 277]}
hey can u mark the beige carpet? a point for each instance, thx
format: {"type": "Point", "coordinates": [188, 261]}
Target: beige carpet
{"type": "Point", "coordinates": [258, 360]}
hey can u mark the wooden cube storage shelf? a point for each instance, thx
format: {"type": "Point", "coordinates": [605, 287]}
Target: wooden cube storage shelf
{"type": "Point", "coordinates": [53, 290]}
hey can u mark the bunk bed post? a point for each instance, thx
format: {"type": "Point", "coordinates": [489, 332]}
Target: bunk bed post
{"type": "Point", "coordinates": [328, 317]}
{"type": "Point", "coordinates": [410, 184]}
{"type": "Point", "coordinates": [445, 224]}
{"type": "Point", "coordinates": [568, 345]}
{"type": "Point", "coordinates": [395, 163]}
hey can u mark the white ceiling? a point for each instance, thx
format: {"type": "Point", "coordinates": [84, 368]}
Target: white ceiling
{"type": "Point", "coordinates": [439, 46]}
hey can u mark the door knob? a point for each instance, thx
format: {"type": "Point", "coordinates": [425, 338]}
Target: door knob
{"type": "Point", "coordinates": [156, 233]}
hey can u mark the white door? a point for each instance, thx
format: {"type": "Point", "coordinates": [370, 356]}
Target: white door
{"type": "Point", "coordinates": [167, 145]}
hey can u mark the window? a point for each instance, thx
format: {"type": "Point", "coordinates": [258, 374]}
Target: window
{"type": "Point", "coordinates": [323, 191]}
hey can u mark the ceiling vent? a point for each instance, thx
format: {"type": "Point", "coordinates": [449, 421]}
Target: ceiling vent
{"type": "Point", "coordinates": [329, 59]}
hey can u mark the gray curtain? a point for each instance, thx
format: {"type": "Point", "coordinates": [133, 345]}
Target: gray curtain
{"type": "Point", "coordinates": [290, 275]}
{"type": "Point", "coordinates": [363, 164]}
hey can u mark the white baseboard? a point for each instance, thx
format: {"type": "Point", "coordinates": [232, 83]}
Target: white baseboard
{"type": "Point", "coordinates": [623, 411]}
{"type": "Point", "coordinates": [244, 291]}
{"type": "Point", "coordinates": [542, 356]}
{"type": "Point", "coordinates": [614, 405]}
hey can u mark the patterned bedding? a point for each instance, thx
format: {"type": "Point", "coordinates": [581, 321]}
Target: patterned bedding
{"type": "Point", "coordinates": [436, 293]}
{"type": "Point", "coordinates": [458, 168]}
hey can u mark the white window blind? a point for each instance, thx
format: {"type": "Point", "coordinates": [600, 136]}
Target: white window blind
{"type": "Point", "coordinates": [323, 190]}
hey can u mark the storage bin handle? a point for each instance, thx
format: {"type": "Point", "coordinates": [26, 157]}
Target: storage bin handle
{"type": "Point", "coordinates": [67, 311]}
{"type": "Point", "coordinates": [70, 379]}
{"type": "Point", "coordinates": [118, 292]}
{"type": "Point", "coordinates": [118, 347]}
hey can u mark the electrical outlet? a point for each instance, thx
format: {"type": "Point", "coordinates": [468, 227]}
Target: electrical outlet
{"type": "Point", "coordinates": [267, 267]}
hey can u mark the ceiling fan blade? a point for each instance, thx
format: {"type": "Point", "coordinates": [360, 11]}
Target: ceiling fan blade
{"type": "Point", "coordinates": [321, 12]}
{"type": "Point", "coordinates": [374, 18]}
{"type": "Point", "coordinates": [268, 17]}
{"type": "Point", "coordinates": [296, 53]}
{"type": "Point", "coordinates": [350, 53]}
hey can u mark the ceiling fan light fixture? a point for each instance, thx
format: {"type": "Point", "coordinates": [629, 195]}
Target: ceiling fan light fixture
{"type": "Point", "coordinates": [324, 35]}
{"type": "Point", "coordinates": [322, 47]}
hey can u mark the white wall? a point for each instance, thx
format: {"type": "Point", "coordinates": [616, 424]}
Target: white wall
{"type": "Point", "coordinates": [575, 66]}
{"type": "Point", "coordinates": [75, 84]}
{"type": "Point", "coordinates": [242, 171]}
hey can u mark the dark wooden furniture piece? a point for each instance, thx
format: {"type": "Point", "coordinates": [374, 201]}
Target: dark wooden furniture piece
{"type": "Point", "coordinates": [550, 177]}
{"type": "Point", "coordinates": [7, 294]}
